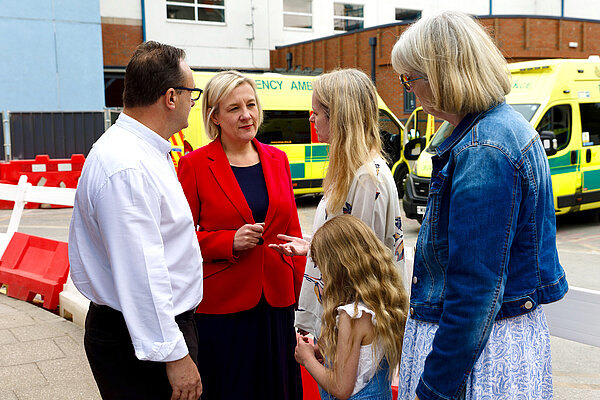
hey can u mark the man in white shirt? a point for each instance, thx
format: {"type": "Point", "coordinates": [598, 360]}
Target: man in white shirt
{"type": "Point", "coordinates": [132, 243]}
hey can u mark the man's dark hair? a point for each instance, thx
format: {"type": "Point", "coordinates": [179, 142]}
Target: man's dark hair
{"type": "Point", "coordinates": [153, 69]}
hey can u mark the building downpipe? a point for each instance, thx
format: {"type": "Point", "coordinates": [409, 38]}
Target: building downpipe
{"type": "Point", "coordinates": [373, 44]}
{"type": "Point", "coordinates": [7, 142]}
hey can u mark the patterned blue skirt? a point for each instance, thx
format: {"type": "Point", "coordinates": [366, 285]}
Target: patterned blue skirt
{"type": "Point", "coordinates": [515, 363]}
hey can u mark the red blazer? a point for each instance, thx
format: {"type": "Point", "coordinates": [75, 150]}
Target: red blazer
{"type": "Point", "coordinates": [235, 282]}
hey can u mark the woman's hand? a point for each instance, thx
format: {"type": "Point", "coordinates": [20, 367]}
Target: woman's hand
{"type": "Point", "coordinates": [295, 246]}
{"type": "Point", "coordinates": [248, 236]}
{"type": "Point", "coordinates": [305, 351]}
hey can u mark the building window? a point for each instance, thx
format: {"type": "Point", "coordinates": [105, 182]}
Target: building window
{"type": "Point", "coordinates": [348, 17]}
{"type": "Point", "coordinates": [404, 15]}
{"type": "Point", "coordinates": [410, 102]}
{"type": "Point", "coordinates": [297, 14]}
{"type": "Point", "coordinates": [197, 10]}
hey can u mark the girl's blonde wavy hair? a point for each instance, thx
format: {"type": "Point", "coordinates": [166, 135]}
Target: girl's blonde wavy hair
{"type": "Point", "coordinates": [466, 71]}
{"type": "Point", "coordinates": [350, 101]}
{"type": "Point", "coordinates": [216, 89]}
{"type": "Point", "coordinates": [356, 266]}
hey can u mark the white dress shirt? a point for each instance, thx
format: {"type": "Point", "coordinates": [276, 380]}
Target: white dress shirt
{"type": "Point", "coordinates": [373, 198]}
{"type": "Point", "coordinates": [132, 243]}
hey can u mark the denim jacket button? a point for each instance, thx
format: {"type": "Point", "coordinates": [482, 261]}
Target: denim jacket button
{"type": "Point", "coordinates": [528, 305]}
{"type": "Point", "coordinates": [415, 280]}
{"type": "Point", "coordinates": [412, 311]}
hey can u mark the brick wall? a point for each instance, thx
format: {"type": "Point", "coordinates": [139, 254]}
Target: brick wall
{"type": "Point", "coordinates": [519, 39]}
{"type": "Point", "coordinates": [119, 40]}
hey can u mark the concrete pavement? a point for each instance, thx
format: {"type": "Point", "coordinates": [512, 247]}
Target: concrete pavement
{"type": "Point", "coordinates": [41, 355]}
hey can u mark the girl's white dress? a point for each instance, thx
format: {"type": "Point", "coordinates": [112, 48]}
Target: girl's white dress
{"type": "Point", "coordinates": [369, 358]}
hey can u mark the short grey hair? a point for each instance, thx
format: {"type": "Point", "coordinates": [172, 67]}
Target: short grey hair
{"type": "Point", "coordinates": [466, 71]}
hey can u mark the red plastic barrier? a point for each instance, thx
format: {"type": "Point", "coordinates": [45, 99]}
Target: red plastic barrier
{"type": "Point", "coordinates": [43, 171]}
{"type": "Point", "coordinates": [34, 265]}
{"type": "Point", "coordinates": [310, 390]}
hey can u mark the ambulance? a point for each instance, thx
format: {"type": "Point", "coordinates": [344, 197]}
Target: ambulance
{"type": "Point", "coordinates": [286, 101]}
{"type": "Point", "coordinates": [561, 99]}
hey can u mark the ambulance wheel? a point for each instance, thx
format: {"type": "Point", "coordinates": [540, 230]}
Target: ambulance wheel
{"type": "Point", "coordinates": [400, 178]}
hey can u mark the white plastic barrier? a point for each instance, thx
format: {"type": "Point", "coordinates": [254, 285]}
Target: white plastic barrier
{"type": "Point", "coordinates": [576, 317]}
{"type": "Point", "coordinates": [23, 193]}
{"type": "Point", "coordinates": [72, 304]}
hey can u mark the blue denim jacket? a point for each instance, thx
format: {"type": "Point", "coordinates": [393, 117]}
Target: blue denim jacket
{"type": "Point", "coordinates": [487, 246]}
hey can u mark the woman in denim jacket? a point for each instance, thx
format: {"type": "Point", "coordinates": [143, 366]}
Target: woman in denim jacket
{"type": "Point", "coordinates": [486, 255]}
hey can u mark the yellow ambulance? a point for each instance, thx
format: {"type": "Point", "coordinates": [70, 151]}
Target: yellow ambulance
{"type": "Point", "coordinates": [561, 99]}
{"type": "Point", "coordinates": [286, 101]}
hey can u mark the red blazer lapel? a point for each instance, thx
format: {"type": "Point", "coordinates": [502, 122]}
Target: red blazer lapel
{"type": "Point", "coordinates": [220, 168]}
{"type": "Point", "coordinates": [272, 167]}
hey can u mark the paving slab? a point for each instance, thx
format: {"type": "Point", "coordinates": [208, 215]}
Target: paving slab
{"type": "Point", "coordinates": [75, 390]}
{"type": "Point", "coordinates": [29, 352]}
{"type": "Point", "coordinates": [7, 394]}
{"type": "Point", "coordinates": [44, 330]}
{"type": "Point", "coordinates": [66, 370]}
{"type": "Point", "coordinates": [15, 319]}
{"type": "Point", "coordinates": [6, 337]}
{"type": "Point", "coordinates": [25, 375]}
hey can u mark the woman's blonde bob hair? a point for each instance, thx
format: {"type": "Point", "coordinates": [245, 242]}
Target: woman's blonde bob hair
{"type": "Point", "coordinates": [466, 71]}
{"type": "Point", "coordinates": [219, 87]}
{"type": "Point", "coordinates": [350, 102]}
{"type": "Point", "coordinates": [357, 267]}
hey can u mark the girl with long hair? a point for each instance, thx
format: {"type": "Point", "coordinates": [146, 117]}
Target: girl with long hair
{"type": "Point", "coordinates": [364, 311]}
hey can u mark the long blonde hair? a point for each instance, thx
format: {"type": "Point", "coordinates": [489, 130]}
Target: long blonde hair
{"type": "Point", "coordinates": [357, 267]}
{"type": "Point", "coordinates": [216, 89]}
{"type": "Point", "coordinates": [350, 100]}
{"type": "Point", "coordinates": [466, 71]}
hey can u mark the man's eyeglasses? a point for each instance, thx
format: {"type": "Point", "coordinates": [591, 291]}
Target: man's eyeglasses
{"type": "Point", "coordinates": [196, 93]}
{"type": "Point", "coordinates": [406, 82]}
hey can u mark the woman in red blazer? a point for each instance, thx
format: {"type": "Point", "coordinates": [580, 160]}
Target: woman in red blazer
{"type": "Point", "coordinates": [240, 194]}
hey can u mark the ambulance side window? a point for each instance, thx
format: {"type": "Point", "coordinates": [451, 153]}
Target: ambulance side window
{"type": "Point", "coordinates": [390, 136]}
{"type": "Point", "coordinates": [284, 127]}
{"type": "Point", "coordinates": [590, 122]}
{"type": "Point", "coordinates": [386, 123]}
{"type": "Point", "coordinates": [558, 120]}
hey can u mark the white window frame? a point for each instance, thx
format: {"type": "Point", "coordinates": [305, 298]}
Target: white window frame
{"type": "Point", "coordinates": [300, 14]}
{"type": "Point", "coordinates": [196, 5]}
{"type": "Point", "coordinates": [346, 18]}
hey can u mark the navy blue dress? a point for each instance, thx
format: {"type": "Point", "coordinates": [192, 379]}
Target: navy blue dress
{"type": "Point", "coordinates": [255, 347]}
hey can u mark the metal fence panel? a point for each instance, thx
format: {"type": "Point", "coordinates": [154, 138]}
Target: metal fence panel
{"type": "Point", "coordinates": [2, 138]}
{"type": "Point", "coordinates": [58, 134]}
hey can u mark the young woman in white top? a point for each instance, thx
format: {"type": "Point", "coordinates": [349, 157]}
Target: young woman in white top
{"type": "Point", "coordinates": [365, 308]}
{"type": "Point", "coordinates": [358, 181]}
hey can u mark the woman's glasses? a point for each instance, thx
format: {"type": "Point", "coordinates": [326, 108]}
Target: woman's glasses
{"type": "Point", "coordinates": [406, 82]}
